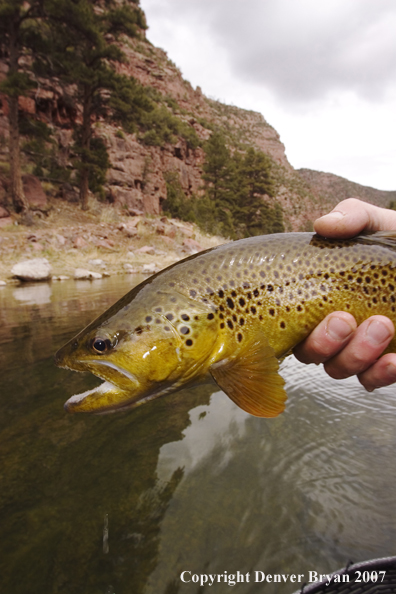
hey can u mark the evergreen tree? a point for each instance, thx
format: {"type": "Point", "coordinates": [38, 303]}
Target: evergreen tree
{"type": "Point", "coordinates": [218, 175]}
{"type": "Point", "coordinates": [16, 18]}
{"type": "Point", "coordinates": [253, 182]}
{"type": "Point", "coordinates": [83, 48]}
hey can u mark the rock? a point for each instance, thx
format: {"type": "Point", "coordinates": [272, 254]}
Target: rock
{"type": "Point", "coordinates": [126, 266]}
{"type": "Point", "coordinates": [186, 232]}
{"type": "Point", "coordinates": [83, 274]}
{"type": "Point", "coordinates": [60, 239]}
{"type": "Point", "coordinates": [130, 231]}
{"type": "Point", "coordinates": [79, 242]}
{"type": "Point", "coordinates": [69, 193]}
{"type": "Point", "coordinates": [192, 245]}
{"type": "Point", "coordinates": [38, 269]}
{"type": "Point", "coordinates": [134, 212]}
{"type": "Point", "coordinates": [5, 221]}
{"type": "Point", "coordinates": [38, 247]}
{"type": "Point", "coordinates": [2, 283]}
{"type": "Point", "coordinates": [61, 277]}
{"type": "Point", "coordinates": [130, 255]}
{"type": "Point", "coordinates": [34, 193]}
{"type": "Point", "coordinates": [97, 262]}
{"type": "Point", "coordinates": [146, 249]}
{"type": "Point", "coordinates": [150, 268]}
{"type": "Point", "coordinates": [107, 244]}
{"type": "Point", "coordinates": [168, 240]}
{"type": "Point", "coordinates": [3, 212]}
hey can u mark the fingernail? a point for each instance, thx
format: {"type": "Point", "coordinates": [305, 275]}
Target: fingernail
{"type": "Point", "coordinates": [338, 329]}
{"type": "Point", "coordinates": [335, 215]}
{"type": "Point", "coordinates": [377, 332]}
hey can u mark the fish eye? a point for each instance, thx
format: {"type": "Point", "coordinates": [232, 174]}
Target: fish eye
{"type": "Point", "coordinates": [101, 345]}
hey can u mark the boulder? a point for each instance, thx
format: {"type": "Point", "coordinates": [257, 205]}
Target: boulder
{"type": "Point", "coordinates": [34, 193]}
{"type": "Point", "coordinates": [83, 274]}
{"type": "Point", "coordinates": [37, 269]}
{"type": "Point", "coordinates": [192, 245]}
{"type": "Point", "coordinates": [3, 212]}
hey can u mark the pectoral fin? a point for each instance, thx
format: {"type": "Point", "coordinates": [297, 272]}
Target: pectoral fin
{"type": "Point", "coordinates": [250, 377]}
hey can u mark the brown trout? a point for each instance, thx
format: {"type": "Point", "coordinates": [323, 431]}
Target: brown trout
{"type": "Point", "coordinates": [230, 314]}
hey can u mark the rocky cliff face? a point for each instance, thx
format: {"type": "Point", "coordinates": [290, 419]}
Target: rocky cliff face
{"type": "Point", "coordinates": [135, 180]}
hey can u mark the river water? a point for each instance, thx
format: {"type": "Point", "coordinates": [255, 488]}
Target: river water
{"type": "Point", "coordinates": [125, 503]}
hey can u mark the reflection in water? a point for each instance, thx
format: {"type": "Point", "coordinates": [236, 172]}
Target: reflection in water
{"type": "Point", "coordinates": [35, 294]}
{"type": "Point", "coordinates": [124, 503]}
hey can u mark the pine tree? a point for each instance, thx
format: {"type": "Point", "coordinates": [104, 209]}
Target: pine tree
{"type": "Point", "coordinates": [83, 34]}
{"type": "Point", "coordinates": [15, 18]}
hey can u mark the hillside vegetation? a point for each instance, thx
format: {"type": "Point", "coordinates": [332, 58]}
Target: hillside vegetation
{"type": "Point", "coordinates": [93, 110]}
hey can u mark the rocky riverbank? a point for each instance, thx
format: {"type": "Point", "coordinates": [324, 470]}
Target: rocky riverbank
{"type": "Point", "coordinates": [70, 243]}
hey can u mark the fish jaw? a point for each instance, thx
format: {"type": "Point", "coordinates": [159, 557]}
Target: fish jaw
{"type": "Point", "coordinates": [104, 398]}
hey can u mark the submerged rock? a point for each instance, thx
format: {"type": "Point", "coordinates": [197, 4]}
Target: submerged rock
{"type": "Point", "coordinates": [37, 269]}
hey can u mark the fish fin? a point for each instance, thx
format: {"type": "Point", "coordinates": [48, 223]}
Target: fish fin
{"type": "Point", "coordinates": [385, 238]}
{"type": "Point", "coordinates": [251, 378]}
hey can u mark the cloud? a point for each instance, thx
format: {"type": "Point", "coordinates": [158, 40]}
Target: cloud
{"type": "Point", "coordinates": [300, 50]}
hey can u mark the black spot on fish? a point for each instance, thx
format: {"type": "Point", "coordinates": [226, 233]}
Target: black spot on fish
{"type": "Point", "coordinates": [256, 292]}
{"type": "Point", "coordinates": [271, 312]}
{"type": "Point", "coordinates": [221, 294]}
{"type": "Point", "coordinates": [159, 309]}
{"type": "Point", "coordinates": [210, 316]}
{"type": "Point", "coordinates": [282, 324]}
{"type": "Point", "coordinates": [299, 308]}
{"type": "Point", "coordinates": [148, 319]}
{"type": "Point", "coordinates": [222, 325]}
{"type": "Point", "coordinates": [184, 330]}
{"type": "Point", "coordinates": [242, 302]}
{"type": "Point", "coordinates": [189, 342]}
{"type": "Point", "coordinates": [138, 330]}
{"type": "Point", "coordinates": [166, 328]}
{"type": "Point", "coordinates": [270, 288]}
{"type": "Point", "coordinates": [239, 337]}
{"type": "Point", "coordinates": [233, 294]}
{"type": "Point", "coordinates": [158, 321]}
{"type": "Point", "coordinates": [253, 310]}
{"type": "Point", "coordinates": [184, 317]}
{"type": "Point", "coordinates": [230, 303]}
{"type": "Point", "coordinates": [241, 321]}
{"type": "Point", "coordinates": [230, 324]}
{"type": "Point", "coordinates": [193, 293]}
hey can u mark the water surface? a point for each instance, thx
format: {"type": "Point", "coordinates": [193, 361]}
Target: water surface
{"type": "Point", "coordinates": [124, 503]}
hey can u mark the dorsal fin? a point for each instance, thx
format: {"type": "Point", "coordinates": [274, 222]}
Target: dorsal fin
{"type": "Point", "coordinates": [384, 238]}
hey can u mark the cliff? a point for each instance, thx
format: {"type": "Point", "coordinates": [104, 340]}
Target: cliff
{"type": "Point", "coordinates": [135, 180]}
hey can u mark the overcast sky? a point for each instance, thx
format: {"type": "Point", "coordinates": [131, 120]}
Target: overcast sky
{"type": "Point", "coordinates": [322, 72]}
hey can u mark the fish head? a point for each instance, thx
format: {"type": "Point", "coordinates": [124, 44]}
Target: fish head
{"type": "Point", "coordinates": [141, 355]}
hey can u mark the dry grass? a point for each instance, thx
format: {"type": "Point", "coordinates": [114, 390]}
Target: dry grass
{"type": "Point", "coordinates": [54, 237]}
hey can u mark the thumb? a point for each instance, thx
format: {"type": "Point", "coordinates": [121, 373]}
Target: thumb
{"type": "Point", "coordinates": [352, 216]}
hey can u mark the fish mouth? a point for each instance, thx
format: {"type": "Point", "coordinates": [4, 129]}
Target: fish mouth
{"type": "Point", "coordinates": [109, 396]}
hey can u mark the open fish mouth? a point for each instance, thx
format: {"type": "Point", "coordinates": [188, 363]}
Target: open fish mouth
{"type": "Point", "coordinates": [107, 397]}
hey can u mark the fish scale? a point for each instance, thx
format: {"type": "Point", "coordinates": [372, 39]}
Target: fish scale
{"type": "Point", "coordinates": [229, 314]}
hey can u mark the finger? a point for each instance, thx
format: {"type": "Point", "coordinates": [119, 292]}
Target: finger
{"type": "Point", "coordinates": [364, 348]}
{"type": "Point", "coordinates": [382, 373]}
{"type": "Point", "coordinates": [352, 216]}
{"type": "Point", "coordinates": [327, 339]}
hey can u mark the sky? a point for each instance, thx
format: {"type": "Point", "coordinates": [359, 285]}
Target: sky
{"type": "Point", "coordinates": [322, 73]}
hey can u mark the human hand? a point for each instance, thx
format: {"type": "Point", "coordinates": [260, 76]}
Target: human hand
{"type": "Point", "coordinates": [337, 342]}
